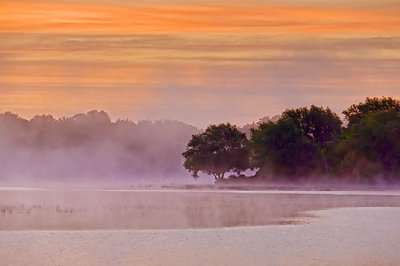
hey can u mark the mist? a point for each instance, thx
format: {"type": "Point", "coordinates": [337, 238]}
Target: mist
{"type": "Point", "coordinates": [91, 149]}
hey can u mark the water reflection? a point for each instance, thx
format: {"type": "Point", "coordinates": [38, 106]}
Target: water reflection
{"type": "Point", "coordinates": [89, 210]}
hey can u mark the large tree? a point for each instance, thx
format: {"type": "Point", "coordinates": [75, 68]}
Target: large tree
{"type": "Point", "coordinates": [319, 124]}
{"type": "Point", "coordinates": [281, 148]}
{"type": "Point", "coordinates": [297, 143]}
{"type": "Point", "coordinates": [371, 147]}
{"type": "Point", "coordinates": [356, 112]}
{"type": "Point", "coordinates": [217, 151]}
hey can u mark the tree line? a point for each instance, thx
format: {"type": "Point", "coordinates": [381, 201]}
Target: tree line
{"type": "Point", "coordinates": [307, 143]}
{"type": "Point", "coordinates": [90, 147]}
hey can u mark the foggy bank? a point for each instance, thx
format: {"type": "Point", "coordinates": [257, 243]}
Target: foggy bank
{"type": "Point", "coordinates": [90, 149]}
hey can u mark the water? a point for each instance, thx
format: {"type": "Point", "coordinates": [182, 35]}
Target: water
{"type": "Point", "coordinates": [349, 236]}
{"type": "Point", "coordinates": [115, 209]}
{"type": "Point", "coordinates": [113, 227]}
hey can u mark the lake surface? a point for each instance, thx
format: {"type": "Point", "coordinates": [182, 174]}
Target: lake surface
{"type": "Point", "coordinates": [114, 227]}
{"type": "Point", "coordinates": [49, 209]}
{"type": "Point", "coordinates": [349, 236]}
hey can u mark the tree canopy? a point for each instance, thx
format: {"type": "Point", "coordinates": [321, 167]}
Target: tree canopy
{"type": "Point", "coordinates": [371, 147]}
{"type": "Point", "coordinates": [282, 148]}
{"type": "Point", "coordinates": [358, 111]}
{"type": "Point", "coordinates": [307, 142]}
{"type": "Point", "coordinates": [218, 150]}
{"type": "Point", "coordinates": [318, 124]}
{"type": "Point", "coordinates": [296, 144]}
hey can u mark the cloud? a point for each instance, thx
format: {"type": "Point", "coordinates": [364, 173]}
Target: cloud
{"type": "Point", "coordinates": [170, 18]}
{"type": "Point", "coordinates": [199, 63]}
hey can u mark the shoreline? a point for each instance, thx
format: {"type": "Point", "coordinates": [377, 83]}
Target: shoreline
{"type": "Point", "coordinates": [253, 190]}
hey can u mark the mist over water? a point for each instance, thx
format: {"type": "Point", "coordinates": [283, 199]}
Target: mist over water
{"type": "Point", "coordinates": [90, 149]}
{"type": "Point", "coordinates": [125, 227]}
{"type": "Point", "coordinates": [77, 154]}
{"type": "Point", "coordinates": [88, 209]}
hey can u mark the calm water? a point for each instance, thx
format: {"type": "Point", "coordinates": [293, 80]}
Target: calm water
{"type": "Point", "coordinates": [123, 227]}
{"type": "Point", "coordinates": [348, 236]}
{"type": "Point", "coordinates": [39, 209]}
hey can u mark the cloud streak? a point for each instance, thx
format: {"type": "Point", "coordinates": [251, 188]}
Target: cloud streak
{"type": "Point", "coordinates": [195, 61]}
{"type": "Point", "coordinates": [144, 19]}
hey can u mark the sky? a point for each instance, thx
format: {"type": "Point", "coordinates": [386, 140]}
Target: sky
{"type": "Point", "coordinates": [199, 62]}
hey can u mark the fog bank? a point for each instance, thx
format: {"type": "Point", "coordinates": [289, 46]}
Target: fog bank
{"type": "Point", "coordinates": [90, 148]}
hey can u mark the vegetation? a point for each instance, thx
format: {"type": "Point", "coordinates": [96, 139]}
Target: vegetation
{"type": "Point", "coordinates": [90, 147]}
{"type": "Point", "coordinates": [282, 149]}
{"type": "Point", "coordinates": [319, 125]}
{"type": "Point", "coordinates": [371, 147]}
{"type": "Point", "coordinates": [301, 144]}
{"type": "Point", "coordinates": [358, 111]}
{"type": "Point", "coordinates": [217, 151]}
{"type": "Point", "coordinates": [309, 143]}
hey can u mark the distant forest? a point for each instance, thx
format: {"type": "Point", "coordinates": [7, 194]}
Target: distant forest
{"type": "Point", "coordinates": [308, 143]}
{"type": "Point", "coordinates": [90, 147]}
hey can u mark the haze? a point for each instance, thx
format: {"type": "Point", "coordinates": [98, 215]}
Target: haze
{"type": "Point", "coordinates": [89, 149]}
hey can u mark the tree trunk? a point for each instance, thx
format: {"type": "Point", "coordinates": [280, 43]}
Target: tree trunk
{"type": "Point", "coordinates": [218, 176]}
{"type": "Point", "coordinates": [215, 176]}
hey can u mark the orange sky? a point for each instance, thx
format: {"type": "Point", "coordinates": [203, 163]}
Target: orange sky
{"type": "Point", "coordinates": [196, 60]}
{"type": "Point", "coordinates": [105, 18]}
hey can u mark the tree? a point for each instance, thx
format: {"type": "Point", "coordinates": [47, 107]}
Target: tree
{"type": "Point", "coordinates": [220, 149]}
{"type": "Point", "coordinates": [297, 143]}
{"type": "Point", "coordinates": [358, 111]}
{"type": "Point", "coordinates": [319, 124]}
{"type": "Point", "coordinates": [371, 147]}
{"type": "Point", "coordinates": [282, 148]}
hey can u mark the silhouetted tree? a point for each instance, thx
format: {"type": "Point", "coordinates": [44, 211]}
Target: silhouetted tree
{"type": "Point", "coordinates": [319, 124]}
{"type": "Point", "coordinates": [297, 143]}
{"type": "Point", "coordinates": [220, 149]}
{"type": "Point", "coordinates": [283, 149]}
{"type": "Point", "coordinates": [371, 147]}
{"type": "Point", "coordinates": [356, 112]}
